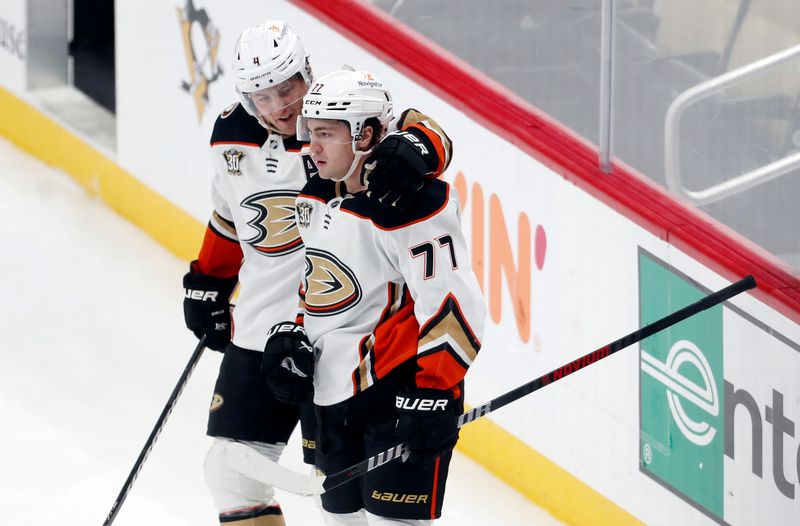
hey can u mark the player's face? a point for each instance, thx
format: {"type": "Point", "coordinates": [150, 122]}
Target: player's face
{"type": "Point", "coordinates": [331, 147]}
{"type": "Point", "coordinates": [280, 105]}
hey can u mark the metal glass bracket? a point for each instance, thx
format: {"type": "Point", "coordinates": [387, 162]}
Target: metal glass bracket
{"type": "Point", "coordinates": [672, 152]}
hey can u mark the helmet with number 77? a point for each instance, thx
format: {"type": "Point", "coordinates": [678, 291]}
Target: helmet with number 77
{"type": "Point", "coordinates": [346, 95]}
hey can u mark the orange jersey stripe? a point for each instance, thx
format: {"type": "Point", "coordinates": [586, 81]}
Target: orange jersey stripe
{"type": "Point", "coordinates": [392, 342]}
{"type": "Point", "coordinates": [444, 366]}
{"type": "Point", "coordinates": [435, 488]}
{"type": "Point", "coordinates": [280, 249]}
{"type": "Point", "coordinates": [395, 340]}
{"type": "Point", "coordinates": [440, 371]}
{"type": "Point", "coordinates": [224, 143]}
{"type": "Point", "coordinates": [219, 256]}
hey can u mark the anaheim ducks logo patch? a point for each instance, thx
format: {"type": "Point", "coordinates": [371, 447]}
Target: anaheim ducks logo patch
{"type": "Point", "coordinates": [331, 287]}
{"type": "Point", "coordinates": [216, 402]}
{"type": "Point", "coordinates": [275, 225]}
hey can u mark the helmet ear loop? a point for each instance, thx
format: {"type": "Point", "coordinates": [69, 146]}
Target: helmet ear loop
{"type": "Point", "coordinates": [357, 156]}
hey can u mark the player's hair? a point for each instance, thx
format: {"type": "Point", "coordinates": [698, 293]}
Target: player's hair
{"type": "Point", "coordinates": [378, 130]}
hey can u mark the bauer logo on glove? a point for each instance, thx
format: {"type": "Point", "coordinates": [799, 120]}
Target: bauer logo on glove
{"type": "Point", "coordinates": [202, 295]}
{"type": "Point", "coordinates": [286, 327]}
{"type": "Point", "coordinates": [206, 307]}
{"type": "Point", "coordinates": [287, 366]}
{"type": "Point", "coordinates": [398, 167]}
{"type": "Point", "coordinates": [427, 421]}
{"type": "Point", "coordinates": [420, 404]}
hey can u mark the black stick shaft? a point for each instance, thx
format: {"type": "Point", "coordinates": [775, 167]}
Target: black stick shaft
{"type": "Point", "coordinates": [603, 352]}
{"type": "Point", "coordinates": [337, 479]}
{"type": "Point", "coordinates": [148, 446]}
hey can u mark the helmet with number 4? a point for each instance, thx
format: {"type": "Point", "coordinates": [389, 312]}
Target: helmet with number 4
{"type": "Point", "coordinates": [346, 95]}
{"type": "Point", "coordinates": [267, 55]}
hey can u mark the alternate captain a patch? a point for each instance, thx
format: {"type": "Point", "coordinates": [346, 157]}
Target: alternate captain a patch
{"type": "Point", "coordinates": [309, 166]}
{"type": "Point", "coordinates": [233, 159]}
{"type": "Point", "coordinates": [331, 287]}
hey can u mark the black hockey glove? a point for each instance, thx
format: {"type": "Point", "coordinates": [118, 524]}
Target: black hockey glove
{"type": "Point", "coordinates": [398, 167]}
{"type": "Point", "coordinates": [427, 421]}
{"type": "Point", "coordinates": [206, 307]}
{"type": "Point", "coordinates": [288, 363]}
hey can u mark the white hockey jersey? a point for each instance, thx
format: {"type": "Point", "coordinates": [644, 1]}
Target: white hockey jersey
{"type": "Point", "coordinates": [257, 176]}
{"type": "Point", "coordinates": [252, 232]}
{"type": "Point", "coordinates": [382, 287]}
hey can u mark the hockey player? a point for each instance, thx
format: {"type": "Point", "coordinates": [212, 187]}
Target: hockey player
{"type": "Point", "coordinates": [252, 241]}
{"type": "Point", "coordinates": [392, 310]}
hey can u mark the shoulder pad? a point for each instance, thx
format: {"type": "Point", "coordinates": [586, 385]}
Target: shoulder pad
{"type": "Point", "coordinates": [430, 201]}
{"type": "Point", "coordinates": [292, 144]}
{"type": "Point", "coordinates": [234, 124]}
{"type": "Point", "coordinates": [319, 188]}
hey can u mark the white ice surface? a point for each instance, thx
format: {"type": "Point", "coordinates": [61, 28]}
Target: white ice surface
{"type": "Point", "coordinates": [92, 344]}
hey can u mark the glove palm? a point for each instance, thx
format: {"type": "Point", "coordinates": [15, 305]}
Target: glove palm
{"type": "Point", "coordinates": [288, 363]}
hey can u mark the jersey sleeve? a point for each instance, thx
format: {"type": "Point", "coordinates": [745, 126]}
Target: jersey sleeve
{"type": "Point", "coordinates": [220, 255]}
{"type": "Point", "coordinates": [429, 132]}
{"type": "Point", "coordinates": [433, 258]}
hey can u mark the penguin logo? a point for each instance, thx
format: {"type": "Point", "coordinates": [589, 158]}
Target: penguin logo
{"type": "Point", "coordinates": [200, 46]}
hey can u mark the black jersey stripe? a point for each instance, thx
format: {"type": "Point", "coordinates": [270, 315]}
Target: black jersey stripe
{"type": "Point", "coordinates": [239, 127]}
{"type": "Point", "coordinates": [320, 189]}
{"type": "Point", "coordinates": [431, 200]}
{"type": "Point", "coordinates": [292, 144]}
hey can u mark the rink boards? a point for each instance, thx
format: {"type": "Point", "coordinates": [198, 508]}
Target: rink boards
{"type": "Point", "coordinates": [698, 425]}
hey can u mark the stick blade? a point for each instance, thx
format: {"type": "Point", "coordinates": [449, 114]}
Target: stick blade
{"type": "Point", "coordinates": [254, 465]}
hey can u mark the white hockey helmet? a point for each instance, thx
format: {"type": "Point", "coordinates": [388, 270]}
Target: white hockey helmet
{"type": "Point", "coordinates": [346, 95]}
{"type": "Point", "coordinates": [266, 55]}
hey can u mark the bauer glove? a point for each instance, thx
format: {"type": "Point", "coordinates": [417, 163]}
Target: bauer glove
{"type": "Point", "coordinates": [288, 363]}
{"type": "Point", "coordinates": [427, 421]}
{"type": "Point", "coordinates": [398, 167]}
{"type": "Point", "coordinates": [206, 307]}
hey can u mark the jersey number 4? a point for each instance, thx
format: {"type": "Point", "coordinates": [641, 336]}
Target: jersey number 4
{"type": "Point", "coordinates": [426, 251]}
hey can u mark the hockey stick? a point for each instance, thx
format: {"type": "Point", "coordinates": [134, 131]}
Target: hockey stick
{"type": "Point", "coordinates": [252, 464]}
{"type": "Point", "coordinates": [148, 446]}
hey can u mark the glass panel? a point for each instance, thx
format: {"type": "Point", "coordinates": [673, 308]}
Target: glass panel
{"type": "Point", "coordinates": [547, 52]}
{"type": "Point", "coordinates": [544, 50]}
{"type": "Point", "coordinates": [683, 43]}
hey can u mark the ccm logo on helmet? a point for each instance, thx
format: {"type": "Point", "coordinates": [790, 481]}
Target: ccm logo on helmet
{"type": "Point", "coordinates": [419, 404]}
{"type": "Point", "coordinates": [201, 295]}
